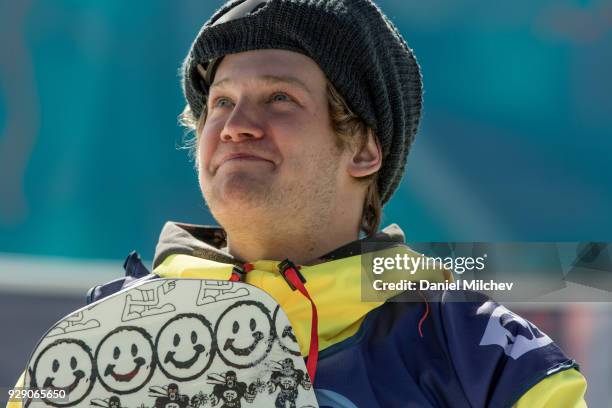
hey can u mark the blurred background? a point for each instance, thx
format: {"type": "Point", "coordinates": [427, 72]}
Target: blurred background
{"type": "Point", "coordinates": [514, 146]}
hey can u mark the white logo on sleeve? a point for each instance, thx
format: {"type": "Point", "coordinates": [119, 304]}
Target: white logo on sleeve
{"type": "Point", "coordinates": [511, 332]}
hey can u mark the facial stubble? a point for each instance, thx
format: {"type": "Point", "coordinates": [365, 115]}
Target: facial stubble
{"type": "Point", "coordinates": [305, 197]}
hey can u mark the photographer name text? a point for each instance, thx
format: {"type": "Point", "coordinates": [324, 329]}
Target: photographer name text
{"type": "Point", "coordinates": [423, 284]}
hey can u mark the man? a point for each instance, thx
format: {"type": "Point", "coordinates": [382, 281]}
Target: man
{"type": "Point", "coordinates": [304, 112]}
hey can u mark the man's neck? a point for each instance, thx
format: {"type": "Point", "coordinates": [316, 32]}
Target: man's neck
{"type": "Point", "coordinates": [277, 242]}
{"type": "Point", "coordinates": [304, 249]}
{"type": "Point", "coordinates": [296, 231]}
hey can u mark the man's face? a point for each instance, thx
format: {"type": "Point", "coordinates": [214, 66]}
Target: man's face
{"type": "Point", "coordinates": [267, 143]}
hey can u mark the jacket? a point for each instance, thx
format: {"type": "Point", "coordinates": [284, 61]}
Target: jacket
{"type": "Point", "coordinates": [442, 348]}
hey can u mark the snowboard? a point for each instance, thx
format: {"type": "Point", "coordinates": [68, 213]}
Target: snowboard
{"type": "Point", "coordinates": [172, 343]}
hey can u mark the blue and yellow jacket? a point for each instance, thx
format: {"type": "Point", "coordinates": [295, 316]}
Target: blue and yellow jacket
{"type": "Point", "coordinates": [440, 350]}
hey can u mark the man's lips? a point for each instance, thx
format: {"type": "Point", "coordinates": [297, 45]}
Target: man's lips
{"type": "Point", "coordinates": [242, 157]}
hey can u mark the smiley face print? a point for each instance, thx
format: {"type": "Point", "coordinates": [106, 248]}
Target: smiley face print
{"type": "Point", "coordinates": [65, 365]}
{"type": "Point", "coordinates": [125, 359]}
{"type": "Point", "coordinates": [244, 334]}
{"type": "Point", "coordinates": [185, 346]}
{"type": "Point", "coordinates": [284, 333]}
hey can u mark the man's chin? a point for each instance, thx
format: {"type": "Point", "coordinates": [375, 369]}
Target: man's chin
{"type": "Point", "coordinates": [239, 192]}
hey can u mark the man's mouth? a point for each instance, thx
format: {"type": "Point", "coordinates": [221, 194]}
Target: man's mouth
{"type": "Point", "coordinates": [199, 349]}
{"type": "Point", "coordinates": [229, 344]}
{"type": "Point", "coordinates": [48, 384]}
{"type": "Point", "coordinates": [241, 157]}
{"type": "Point", "coordinates": [110, 370]}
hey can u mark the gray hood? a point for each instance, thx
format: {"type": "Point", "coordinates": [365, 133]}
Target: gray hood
{"type": "Point", "coordinates": [209, 242]}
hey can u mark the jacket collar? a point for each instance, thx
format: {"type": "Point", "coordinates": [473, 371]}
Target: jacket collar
{"type": "Point", "coordinates": [210, 242]}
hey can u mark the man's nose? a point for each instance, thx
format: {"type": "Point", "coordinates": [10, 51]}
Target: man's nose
{"type": "Point", "coordinates": [241, 125]}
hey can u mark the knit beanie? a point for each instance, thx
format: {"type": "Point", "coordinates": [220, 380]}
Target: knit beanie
{"type": "Point", "coordinates": [360, 51]}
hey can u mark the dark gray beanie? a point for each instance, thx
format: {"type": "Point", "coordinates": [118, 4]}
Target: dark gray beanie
{"type": "Point", "coordinates": [357, 47]}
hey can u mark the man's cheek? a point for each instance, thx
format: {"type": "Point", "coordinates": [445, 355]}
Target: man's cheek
{"type": "Point", "coordinates": [206, 145]}
{"type": "Point", "coordinates": [204, 153]}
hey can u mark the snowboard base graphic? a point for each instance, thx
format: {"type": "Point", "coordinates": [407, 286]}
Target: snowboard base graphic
{"type": "Point", "coordinates": [172, 344]}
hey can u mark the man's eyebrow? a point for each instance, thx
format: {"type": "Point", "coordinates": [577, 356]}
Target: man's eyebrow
{"type": "Point", "coordinates": [268, 80]}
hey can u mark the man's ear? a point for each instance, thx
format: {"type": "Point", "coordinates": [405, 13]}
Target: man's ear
{"type": "Point", "coordinates": [368, 159]}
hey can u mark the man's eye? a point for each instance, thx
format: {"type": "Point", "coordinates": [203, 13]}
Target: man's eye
{"type": "Point", "coordinates": [222, 102]}
{"type": "Point", "coordinates": [280, 97]}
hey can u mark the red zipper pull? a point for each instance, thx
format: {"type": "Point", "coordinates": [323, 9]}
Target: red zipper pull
{"type": "Point", "coordinates": [290, 272]}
